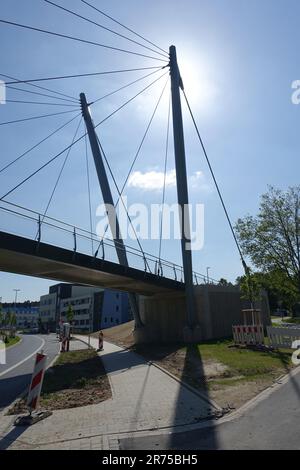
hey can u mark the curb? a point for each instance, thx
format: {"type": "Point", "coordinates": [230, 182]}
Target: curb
{"type": "Point", "coordinates": [14, 345]}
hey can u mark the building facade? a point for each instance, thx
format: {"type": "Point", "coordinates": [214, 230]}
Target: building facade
{"type": "Point", "coordinates": [93, 308]}
{"type": "Point", "coordinates": [26, 316]}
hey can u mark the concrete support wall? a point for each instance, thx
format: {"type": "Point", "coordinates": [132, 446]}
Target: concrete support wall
{"type": "Point", "coordinates": [218, 308]}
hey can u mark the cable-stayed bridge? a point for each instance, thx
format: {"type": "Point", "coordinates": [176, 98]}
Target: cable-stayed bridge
{"type": "Point", "coordinates": [36, 244]}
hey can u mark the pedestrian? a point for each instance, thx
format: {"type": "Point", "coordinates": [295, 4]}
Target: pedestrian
{"type": "Point", "coordinates": [100, 347]}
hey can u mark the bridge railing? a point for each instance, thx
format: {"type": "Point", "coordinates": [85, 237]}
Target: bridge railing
{"type": "Point", "coordinates": [35, 226]}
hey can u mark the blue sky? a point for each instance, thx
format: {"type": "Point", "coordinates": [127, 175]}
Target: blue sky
{"type": "Point", "coordinates": [238, 60]}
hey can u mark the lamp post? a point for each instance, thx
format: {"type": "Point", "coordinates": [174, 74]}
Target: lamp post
{"type": "Point", "coordinates": [16, 296]}
{"type": "Point", "coordinates": [207, 276]}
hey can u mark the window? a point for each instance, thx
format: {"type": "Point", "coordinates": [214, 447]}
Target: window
{"type": "Point", "coordinates": [105, 320]}
{"type": "Point", "coordinates": [117, 308]}
{"type": "Point", "coordinates": [111, 320]}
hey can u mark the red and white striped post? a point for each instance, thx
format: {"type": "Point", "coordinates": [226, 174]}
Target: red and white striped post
{"type": "Point", "coordinates": [36, 382]}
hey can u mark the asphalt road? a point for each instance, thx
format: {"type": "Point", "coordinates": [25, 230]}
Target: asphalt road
{"type": "Point", "coordinates": [273, 424]}
{"type": "Point", "coordinates": [15, 375]}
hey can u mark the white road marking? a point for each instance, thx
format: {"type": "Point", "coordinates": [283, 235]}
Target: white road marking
{"type": "Point", "coordinates": [24, 360]}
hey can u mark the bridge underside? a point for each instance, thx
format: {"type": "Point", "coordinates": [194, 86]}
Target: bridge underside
{"type": "Point", "coordinates": [28, 257]}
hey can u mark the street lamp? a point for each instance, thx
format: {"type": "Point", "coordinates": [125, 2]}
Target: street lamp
{"type": "Point", "coordinates": [16, 296]}
{"type": "Point", "coordinates": [207, 276]}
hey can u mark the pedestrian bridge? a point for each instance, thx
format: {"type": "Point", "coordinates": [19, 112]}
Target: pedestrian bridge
{"type": "Point", "coordinates": [21, 255]}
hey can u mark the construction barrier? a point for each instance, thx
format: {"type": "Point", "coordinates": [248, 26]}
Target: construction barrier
{"type": "Point", "coordinates": [282, 337]}
{"type": "Point", "coordinates": [248, 334]}
{"type": "Point", "coordinates": [36, 382]}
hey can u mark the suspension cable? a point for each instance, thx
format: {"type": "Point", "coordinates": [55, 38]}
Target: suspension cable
{"type": "Point", "coordinates": [37, 117]}
{"type": "Point", "coordinates": [136, 155]}
{"type": "Point", "coordinates": [119, 194]}
{"type": "Point", "coordinates": [60, 173]}
{"type": "Point", "coordinates": [165, 177]}
{"type": "Point", "coordinates": [217, 187]}
{"type": "Point", "coordinates": [82, 75]}
{"type": "Point", "coordinates": [130, 100]}
{"type": "Point", "coordinates": [38, 144]}
{"type": "Point", "coordinates": [89, 191]}
{"type": "Point", "coordinates": [123, 26]}
{"type": "Point", "coordinates": [73, 38]}
{"type": "Point", "coordinates": [9, 87]}
{"type": "Point", "coordinates": [78, 140]}
{"type": "Point", "coordinates": [103, 27]}
{"type": "Point", "coordinates": [42, 103]}
{"type": "Point", "coordinates": [126, 86]}
{"type": "Point", "coordinates": [39, 87]}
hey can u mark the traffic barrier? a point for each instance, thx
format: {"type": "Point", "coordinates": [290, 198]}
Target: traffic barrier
{"type": "Point", "coordinates": [36, 382]}
{"type": "Point", "coordinates": [281, 337]}
{"type": "Point", "coordinates": [248, 334]}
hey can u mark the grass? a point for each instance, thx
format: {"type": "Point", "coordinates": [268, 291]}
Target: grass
{"type": "Point", "coordinates": [12, 341]}
{"type": "Point", "coordinates": [242, 361]}
{"type": "Point", "coordinates": [226, 373]}
{"type": "Point", "coordinates": [293, 320]}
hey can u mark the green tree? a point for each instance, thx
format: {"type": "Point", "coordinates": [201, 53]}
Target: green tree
{"type": "Point", "coordinates": [70, 314]}
{"type": "Point", "coordinates": [7, 321]}
{"type": "Point", "coordinates": [271, 239]}
{"type": "Point", "coordinates": [1, 319]}
{"type": "Point", "coordinates": [224, 282]}
{"type": "Point", "coordinates": [13, 323]}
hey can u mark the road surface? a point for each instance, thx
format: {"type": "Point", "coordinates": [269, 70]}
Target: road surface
{"type": "Point", "coordinates": [273, 424]}
{"type": "Point", "coordinates": [15, 375]}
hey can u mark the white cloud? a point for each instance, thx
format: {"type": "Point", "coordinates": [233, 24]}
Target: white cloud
{"type": "Point", "coordinates": [152, 180]}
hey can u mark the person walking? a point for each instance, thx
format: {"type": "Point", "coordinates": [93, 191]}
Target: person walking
{"type": "Point", "coordinates": [100, 346]}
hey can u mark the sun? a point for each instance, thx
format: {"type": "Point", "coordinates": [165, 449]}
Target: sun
{"type": "Point", "coordinates": [200, 88]}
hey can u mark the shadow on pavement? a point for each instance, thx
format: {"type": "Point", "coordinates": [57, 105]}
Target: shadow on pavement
{"type": "Point", "coordinates": [202, 439]}
{"type": "Point", "coordinates": [12, 436]}
{"type": "Point", "coordinates": [12, 387]}
{"type": "Point", "coordinates": [194, 361]}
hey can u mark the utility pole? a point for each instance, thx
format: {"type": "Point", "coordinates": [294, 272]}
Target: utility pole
{"type": "Point", "coordinates": [108, 200]}
{"type": "Point", "coordinates": [182, 187]}
{"type": "Point", "coordinates": [16, 296]}
{"type": "Point", "coordinates": [207, 275]}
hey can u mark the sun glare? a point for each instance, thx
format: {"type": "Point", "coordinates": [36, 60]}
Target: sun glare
{"type": "Point", "coordinates": [199, 87]}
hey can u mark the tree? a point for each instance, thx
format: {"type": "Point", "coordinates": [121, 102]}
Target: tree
{"type": "Point", "coordinates": [13, 323]}
{"type": "Point", "coordinates": [224, 282]}
{"type": "Point", "coordinates": [272, 238]}
{"type": "Point", "coordinates": [276, 284]}
{"type": "Point", "coordinates": [1, 319]}
{"type": "Point", "coordinates": [70, 314]}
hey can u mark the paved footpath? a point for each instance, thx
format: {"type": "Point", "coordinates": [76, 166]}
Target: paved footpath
{"type": "Point", "coordinates": [144, 399]}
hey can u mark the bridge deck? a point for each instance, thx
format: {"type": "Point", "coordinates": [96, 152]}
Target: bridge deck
{"type": "Point", "coordinates": [28, 257]}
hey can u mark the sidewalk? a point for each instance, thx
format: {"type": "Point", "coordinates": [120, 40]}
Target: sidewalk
{"type": "Point", "coordinates": [144, 398]}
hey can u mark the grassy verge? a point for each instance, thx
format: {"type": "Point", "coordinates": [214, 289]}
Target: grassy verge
{"type": "Point", "coordinates": [295, 320]}
{"type": "Point", "coordinates": [77, 378]}
{"type": "Point", "coordinates": [12, 341]}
